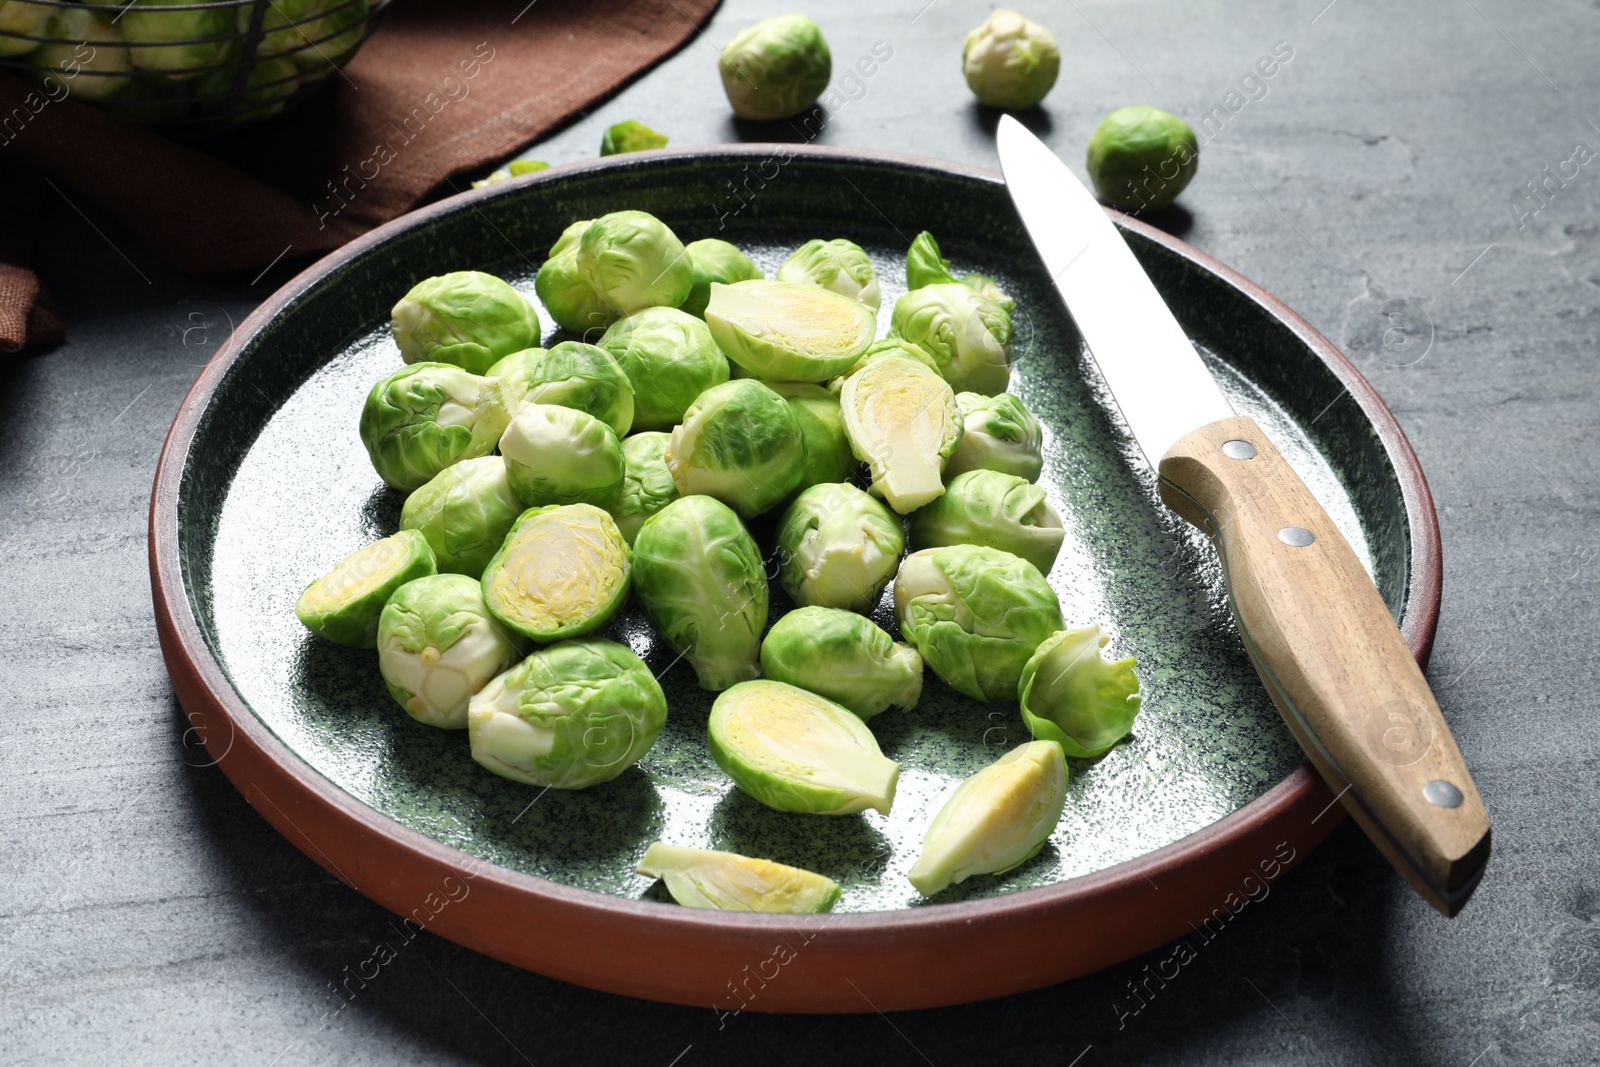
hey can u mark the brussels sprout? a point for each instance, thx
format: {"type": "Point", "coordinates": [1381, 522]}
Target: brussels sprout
{"type": "Point", "coordinates": [998, 433]}
{"type": "Point", "coordinates": [968, 337]}
{"type": "Point", "coordinates": [467, 318]}
{"type": "Point", "coordinates": [268, 86]}
{"type": "Point", "coordinates": [996, 820]}
{"type": "Point", "coordinates": [630, 136]}
{"type": "Point", "coordinates": [845, 657]}
{"type": "Point", "coordinates": [84, 45]}
{"type": "Point", "coordinates": [281, 24]}
{"type": "Point", "coordinates": [976, 614]}
{"type": "Point", "coordinates": [902, 421]}
{"type": "Point", "coordinates": [515, 169]}
{"type": "Point", "coordinates": [20, 20]}
{"type": "Point", "coordinates": [739, 442]}
{"type": "Point", "coordinates": [569, 716]}
{"type": "Point", "coordinates": [438, 645]}
{"type": "Point", "coordinates": [715, 261]}
{"type": "Point", "coordinates": [727, 881]}
{"type": "Point", "coordinates": [1142, 157]}
{"type": "Point", "coordinates": [838, 265]}
{"type": "Point", "coordinates": [329, 39]}
{"type": "Point", "coordinates": [669, 358]}
{"type": "Point", "coordinates": [926, 266]}
{"type": "Point", "coordinates": [1075, 697]}
{"type": "Point", "coordinates": [634, 262]}
{"type": "Point", "coordinates": [647, 485]}
{"type": "Point", "coordinates": [562, 572]}
{"type": "Point", "coordinates": [577, 375]}
{"type": "Point", "coordinates": [838, 547]}
{"type": "Point", "coordinates": [557, 455]}
{"type": "Point", "coordinates": [424, 417]}
{"type": "Point", "coordinates": [889, 346]}
{"type": "Point", "coordinates": [795, 751]}
{"type": "Point", "coordinates": [143, 22]}
{"type": "Point", "coordinates": [1010, 61]}
{"type": "Point", "coordinates": [787, 332]}
{"type": "Point", "coordinates": [344, 604]}
{"type": "Point", "coordinates": [989, 508]}
{"type": "Point", "coordinates": [516, 374]}
{"type": "Point", "coordinates": [828, 455]}
{"type": "Point", "coordinates": [465, 512]}
{"type": "Point", "coordinates": [699, 578]}
{"type": "Point", "coordinates": [574, 303]}
{"type": "Point", "coordinates": [776, 68]}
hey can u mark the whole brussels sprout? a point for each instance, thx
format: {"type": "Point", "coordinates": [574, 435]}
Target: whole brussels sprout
{"type": "Point", "coordinates": [268, 86]}
{"type": "Point", "coordinates": [572, 301]}
{"type": "Point", "coordinates": [699, 577]}
{"type": "Point", "coordinates": [516, 373]}
{"type": "Point", "coordinates": [331, 38]}
{"type": "Point", "coordinates": [1072, 695]}
{"type": "Point", "coordinates": [845, 657]}
{"type": "Point", "coordinates": [840, 266]}
{"type": "Point", "coordinates": [438, 645]}
{"type": "Point", "coordinates": [103, 72]}
{"type": "Point", "coordinates": [634, 262]}
{"type": "Point", "coordinates": [902, 421]}
{"type": "Point", "coordinates": [996, 820]}
{"type": "Point", "coordinates": [968, 336]}
{"type": "Point", "coordinates": [727, 881]}
{"type": "Point", "coordinates": [786, 332]}
{"type": "Point", "coordinates": [465, 512]}
{"type": "Point", "coordinates": [557, 455]}
{"type": "Point", "coordinates": [926, 266]}
{"type": "Point", "coordinates": [1142, 157]}
{"type": "Point", "coordinates": [144, 22]}
{"type": "Point", "coordinates": [989, 508]}
{"type": "Point", "coordinates": [998, 433]}
{"type": "Point", "coordinates": [838, 548]}
{"type": "Point", "coordinates": [647, 484]}
{"type": "Point", "coordinates": [828, 455]}
{"type": "Point", "coordinates": [796, 751]}
{"type": "Point", "coordinates": [715, 261]}
{"type": "Point", "coordinates": [20, 20]}
{"type": "Point", "coordinates": [669, 358]}
{"type": "Point", "coordinates": [739, 442]}
{"type": "Point", "coordinates": [976, 614]}
{"type": "Point", "coordinates": [281, 24]}
{"type": "Point", "coordinates": [577, 375]}
{"type": "Point", "coordinates": [1010, 61]}
{"type": "Point", "coordinates": [426, 416]}
{"type": "Point", "coordinates": [344, 604]}
{"type": "Point", "coordinates": [776, 68]}
{"type": "Point", "coordinates": [467, 318]}
{"type": "Point", "coordinates": [630, 135]}
{"type": "Point", "coordinates": [569, 716]}
{"type": "Point", "coordinates": [562, 572]}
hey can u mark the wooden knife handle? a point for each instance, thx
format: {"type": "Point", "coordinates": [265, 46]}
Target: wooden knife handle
{"type": "Point", "coordinates": [1328, 651]}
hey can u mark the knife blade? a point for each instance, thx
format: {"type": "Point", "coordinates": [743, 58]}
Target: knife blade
{"type": "Point", "coordinates": [1316, 629]}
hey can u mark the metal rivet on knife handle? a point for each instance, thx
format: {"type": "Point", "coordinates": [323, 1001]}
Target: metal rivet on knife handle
{"type": "Point", "coordinates": [1238, 449]}
{"type": "Point", "coordinates": [1296, 536]}
{"type": "Point", "coordinates": [1442, 794]}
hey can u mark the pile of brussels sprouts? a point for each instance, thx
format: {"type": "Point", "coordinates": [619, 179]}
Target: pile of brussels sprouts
{"type": "Point", "coordinates": [547, 486]}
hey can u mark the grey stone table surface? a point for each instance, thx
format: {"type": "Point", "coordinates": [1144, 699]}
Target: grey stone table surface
{"type": "Point", "coordinates": [151, 916]}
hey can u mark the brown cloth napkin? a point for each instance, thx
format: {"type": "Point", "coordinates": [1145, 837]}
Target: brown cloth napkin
{"type": "Point", "coordinates": [443, 88]}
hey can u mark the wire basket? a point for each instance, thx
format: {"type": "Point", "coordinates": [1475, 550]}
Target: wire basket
{"type": "Point", "coordinates": [191, 67]}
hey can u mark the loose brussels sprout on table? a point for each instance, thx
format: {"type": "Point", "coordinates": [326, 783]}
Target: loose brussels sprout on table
{"type": "Point", "coordinates": [569, 716]}
{"type": "Point", "coordinates": [976, 614]}
{"type": "Point", "coordinates": [838, 547]}
{"type": "Point", "coordinates": [630, 135]}
{"type": "Point", "coordinates": [1142, 157]}
{"type": "Point", "coordinates": [714, 260]}
{"type": "Point", "coordinates": [467, 318]}
{"type": "Point", "coordinates": [788, 332]}
{"type": "Point", "coordinates": [574, 375]}
{"type": "Point", "coordinates": [562, 572]}
{"type": "Point", "coordinates": [727, 881]}
{"type": "Point", "coordinates": [557, 455]}
{"type": "Point", "coordinates": [902, 421]}
{"type": "Point", "coordinates": [438, 645]}
{"type": "Point", "coordinates": [998, 433]}
{"type": "Point", "coordinates": [344, 604]}
{"type": "Point", "coordinates": [647, 484]}
{"type": "Point", "coordinates": [1072, 695]}
{"type": "Point", "coordinates": [795, 751]}
{"type": "Point", "coordinates": [739, 442]}
{"type": "Point", "coordinates": [968, 336]}
{"type": "Point", "coordinates": [776, 68]}
{"type": "Point", "coordinates": [827, 447]}
{"type": "Point", "coordinates": [845, 657]}
{"type": "Point", "coordinates": [425, 417]}
{"type": "Point", "coordinates": [989, 508]}
{"type": "Point", "coordinates": [567, 294]}
{"type": "Point", "coordinates": [840, 266]}
{"type": "Point", "coordinates": [669, 359]}
{"type": "Point", "coordinates": [926, 266]}
{"type": "Point", "coordinates": [1010, 61]}
{"type": "Point", "coordinates": [465, 512]}
{"type": "Point", "coordinates": [634, 262]}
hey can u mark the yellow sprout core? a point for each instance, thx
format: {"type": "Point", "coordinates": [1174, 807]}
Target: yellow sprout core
{"type": "Point", "coordinates": [559, 568]}
{"type": "Point", "coordinates": [796, 317]}
{"type": "Point", "coordinates": [357, 574]}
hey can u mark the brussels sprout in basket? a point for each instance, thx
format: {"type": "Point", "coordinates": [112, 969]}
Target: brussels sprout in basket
{"type": "Point", "coordinates": [424, 417]}
{"type": "Point", "coordinates": [467, 318]}
{"type": "Point", "coordinates": [727, 881]}
{"type": "Point", "coordinates": [739, 442]}
{"type": "Point", "coordinates": [838, 547]}
{"type": "Point", "coordinates": [344, 605]}
{"type": "Point", "coordinates": [1073, 695]}
{"type": "Point", "coordinates": [562, 572]}
{"type": "Point", "coordinates": [438, 645]}
{"type": "Point", "coordinates": [84, 48]}
{"type": "Point", "coordinates": [669, 359]}
{"type": "Point", "coordinates": [845, 657]}
{"type": "Point", "coordinates": [20, 20]}
{"type": "Point", "coordinates": [994, 509]}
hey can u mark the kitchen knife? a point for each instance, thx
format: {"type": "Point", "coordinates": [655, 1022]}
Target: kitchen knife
{"type": "Point", "coordinates": [1316, 629]}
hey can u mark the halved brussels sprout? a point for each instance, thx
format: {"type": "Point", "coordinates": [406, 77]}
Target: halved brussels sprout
{"type": "Point", "coordinates": [889, 346]}
{"type": "Point", "coordinates": [839, 265]}
{"type": "Point", "coordinates": [100, 70]}
{"type": "Point", "coordinates": [1072, 695]}
{"type": "Point", "coordinates": [998, 433]}
{"type": "Point", "coordinates": [567, 294]}
{"type": "Point", "coordinates": [976, 614]}
{"type": "Point", "coordinates": [630, 135]}
{"type": "Point", "coordinates": [577, 375]}
{"type": "Point", "coordinates": [558, 455]}
{"type": "Point", "coordinates": [838, 547]}
{"type": "Point", "coordinates": [669, 359]}
{"type": "Point", "coordinates": [795, 751]}
{"type": "Point", "coordinates": [996, 820]}
{"type": "Point", "coordinates": [926, 266]}
{"type": "Point", "coordinates": [845, 657]}
{"type": "Point", "coordinates": [344, 604]}
{"type": "Point", "coordinates": [739, 442]}
{"type": "Point", "coordinates": [562, 572]}
{"type": "Point", "coordinates": [727, 881]}
{"type": "Point", "coordinates": [902, 421]}
{"type": "Point", "coordinates": [994, 509]}
{"type": "Point", "coordinates": [20, 20]}
{"type": "Point", "coordinates": [828, 455]}
{"type": "Point", "coordinates": [569, 716]}
{"type": "Point", "coordinates": [1010, 61]}
{"type": "Point", "coordinates": [647, 485]}
{"type": "Point", "coordinates": [465, 512]}
{"type": "Point", "coordinates": [714, 260]}
{"type": "Point", "coordinates": [438, 645]}
{"type": "Point", "coordinates": [426, 416]}
{"type": "Point", "coordinates": [635, 262]}
{"type": "Point", "coordinates": [699, 577]}
{"type": "Point", "coordinates": [968, 336]}
{"type": "Point", "coordinates": [177, 42]}
{"type": "Point", "coordinates": [787, 332]}
{"type": "Point", "coordinates": [776, 68]}
{"type": "Point", "coordinates": [516, 374]}
{"type": "Point", "coordinates": [467, 318]}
